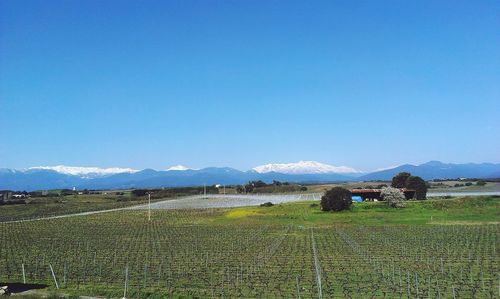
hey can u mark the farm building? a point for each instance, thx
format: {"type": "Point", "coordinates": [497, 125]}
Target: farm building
{"type": "Point", "coordinates": [371, 194]}
{"type": "Point", "coordinates": [5, 195]}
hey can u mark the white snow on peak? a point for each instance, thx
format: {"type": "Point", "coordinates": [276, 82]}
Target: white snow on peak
{"type": "Point", "coordinates": [304, 167]}
{"type": "Point", "coordinates": [178, 168]}
{"type": "Point", "coordinates": [86, 171]}
{"type": "Point", "coordinates": [386, 168]}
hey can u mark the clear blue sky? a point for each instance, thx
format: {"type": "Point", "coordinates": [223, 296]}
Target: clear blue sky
{"type": "Point", "coordinates": [148, 84]}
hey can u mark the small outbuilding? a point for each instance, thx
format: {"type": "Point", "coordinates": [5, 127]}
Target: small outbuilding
{"type": "Point", "coordinates": [357, 198]}
{"type": "Point", "coordinates": [375, 194]}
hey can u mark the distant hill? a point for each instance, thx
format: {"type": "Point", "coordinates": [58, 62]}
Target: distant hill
{"type": "Point", "coordinates": [60, 177]}
{"type": "Point", "coordinates": [438, 170]}
{"type": "Point", "coordinates": [39, 179]}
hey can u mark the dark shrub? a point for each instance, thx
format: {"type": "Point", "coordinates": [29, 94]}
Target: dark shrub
{"type": "Point", "coordinates": [122, 198]}
{"type": "Point", "coordinates": [65, 192]}
{"type": "Point", "coordinates": [13, 202]}
{"type": "Point", "coordinates": [139, 192]}
{"type": "Point", "coordinates": [418, 184]}
{"type": "Point", "coordinates": [399, 181]}
{"type": "Point", "coordinates": [336, 199]}
{"type": "Point", "coordinates": [267, 204]}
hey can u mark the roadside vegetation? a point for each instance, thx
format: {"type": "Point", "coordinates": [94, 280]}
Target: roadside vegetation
{"type": "Point", "coordinates": [274, 187]}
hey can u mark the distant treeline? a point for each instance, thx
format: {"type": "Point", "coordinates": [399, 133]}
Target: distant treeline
{"type": "Point", "coordinates": [171, 192]}
{"type": "Point", "coordinates": [479, 182]}
{"type": "Point", "coordinates": [250, 187]}
{"type": "Point", "coordinates": [50, 193]}
{"type": "Point", "coordinates": [274, 187]}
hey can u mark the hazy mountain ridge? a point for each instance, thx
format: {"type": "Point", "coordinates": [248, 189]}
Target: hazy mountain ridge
{"type": "Point", "coordinates": [439, 170]}
{"type": "Point", "coordinates": [49, 178]}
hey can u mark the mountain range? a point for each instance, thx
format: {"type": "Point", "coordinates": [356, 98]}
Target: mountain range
{"type": "Point", "coordinates": [57, 177]}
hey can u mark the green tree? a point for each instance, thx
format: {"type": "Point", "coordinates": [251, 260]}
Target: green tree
{"type": "Point", "coordinates": [139, 192]}
{"type": "Point", "coordinates": [258, 184]}
{"type": "Point", "coordinates": [240, 189]}
{"type": "Point", "coordinates": [336, 199]}
{"type": "Point", "coordinates": [418, 184]}
{"type": "Point", "coordinates": [399, 181]}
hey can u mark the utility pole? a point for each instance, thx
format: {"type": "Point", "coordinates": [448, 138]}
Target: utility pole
{"type": "Point", "coordinates": [204, 190]}
{"type": "Point", "coordinates": [149, 207]}
{"type": "Point", "coordinates": [126, 283]}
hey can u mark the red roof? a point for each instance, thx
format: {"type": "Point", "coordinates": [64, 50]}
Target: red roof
{"type": "Point", "coordinates": [377, 190]}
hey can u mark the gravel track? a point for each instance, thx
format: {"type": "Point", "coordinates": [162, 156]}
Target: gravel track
{"type": "Point", "coordinates": [228, 201]}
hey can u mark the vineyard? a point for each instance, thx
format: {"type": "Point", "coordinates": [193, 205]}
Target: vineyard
{"type": "Point", "coordinates": [186, 253]}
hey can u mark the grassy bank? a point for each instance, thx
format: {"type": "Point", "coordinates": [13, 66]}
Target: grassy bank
{"type": "Point", "coordinates": [466, 210]}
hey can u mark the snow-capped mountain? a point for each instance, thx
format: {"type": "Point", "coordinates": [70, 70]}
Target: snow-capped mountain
{"type": "Point", "coordinates": [84, 171]}
{"type": "Point", "coordinates": [304, 167]}
{"type": "Point", "coordinates": [60, 177]}
{"type": "Point", "coordinates": [178, 168]}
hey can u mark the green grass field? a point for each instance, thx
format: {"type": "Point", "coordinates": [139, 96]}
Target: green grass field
{"type": "Point", "coordinates": [438, 249]}
{"type": "Point", "coordinates": [476, 210]}
{"type": "Point", "coordinates": [72, 204]}
{"type": "Point", "coordinates": [46, 207]}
